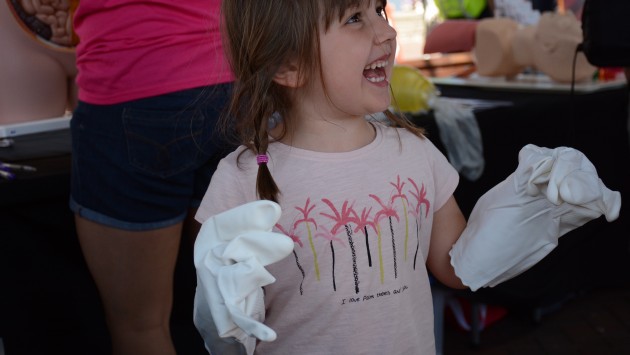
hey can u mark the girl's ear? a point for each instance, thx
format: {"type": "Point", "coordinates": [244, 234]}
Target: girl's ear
{"type": "Point", "coordinates": [288, 75]}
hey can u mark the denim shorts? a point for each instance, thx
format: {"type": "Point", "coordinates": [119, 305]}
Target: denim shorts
{"type": "Point", "coordinates": [141, 165]}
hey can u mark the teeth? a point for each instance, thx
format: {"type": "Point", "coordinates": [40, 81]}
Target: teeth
{"type": "Point", "coordinates": [376, 80]}
{"type": "Point", "coordinates": [378, 64]}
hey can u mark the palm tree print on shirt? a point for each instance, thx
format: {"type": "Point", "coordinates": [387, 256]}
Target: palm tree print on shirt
{"type": "Point", "coordinates": [386, 211]}
{"type": "Point", "coordinates": [343, 219]}
{"type": "Point", "coordinates": [403, 198]}
{"type": "Point", "coordinates": [363, 223]}
{"type": "Point", "coordinates": [416, 211]}
{"type": "Point", "coordinates": [326, 234]}
{"type": "Point", "coordinates": [306, 211]}
{"type": "Point", "coordinates": [308, 228]}
{"type": "Point", "coordinates": [296, 239]}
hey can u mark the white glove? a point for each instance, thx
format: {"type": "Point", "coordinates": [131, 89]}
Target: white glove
{"type": "Point", "coordinates": [518, 222]}
{"type": "Point", "coordinates": [231, 252]}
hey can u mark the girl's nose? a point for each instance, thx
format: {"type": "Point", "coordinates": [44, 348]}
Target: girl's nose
{"type": "Point", "coordinates": [384, 32]}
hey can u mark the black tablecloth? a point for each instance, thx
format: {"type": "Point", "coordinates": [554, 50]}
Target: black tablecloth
{"type": "Point", "coordinates": [48, 301]}
{"type": "Point", "coordinates": [50, 153]}
{"type": "Point", "coordinates": [596, 254]}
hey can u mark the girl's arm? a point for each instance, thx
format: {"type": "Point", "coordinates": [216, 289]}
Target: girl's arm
{"type": "Point", "coordinates": [518, 222]}
{"type": "Point", "coordinates": [448, 224]}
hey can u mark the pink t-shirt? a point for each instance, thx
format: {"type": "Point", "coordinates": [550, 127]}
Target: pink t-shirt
{"type": "Point", "coordinates": [132, 49]}
{"type": "Point", "coordinates": [361, 221]}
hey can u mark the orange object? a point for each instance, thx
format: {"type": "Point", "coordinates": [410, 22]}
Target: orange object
{"type": "Point", "coordinates": [609, 73]}
{"type": "Point", "coordinates": [560, 6]}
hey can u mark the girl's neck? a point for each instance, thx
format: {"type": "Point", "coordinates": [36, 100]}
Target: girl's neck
{"type": "Point", "coordinates": [330, 136]}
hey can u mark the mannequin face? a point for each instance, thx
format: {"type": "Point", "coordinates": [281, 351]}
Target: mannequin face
{"type": "Point", "coordinates": [504, 48]}
{"type": "Point", "coordinates": [493, 47]}
{"type": "Point", "coordinates": [554, 28]}
{"type": "Point", "coordinates": [554, 44]}
{"type": "Point", "coordinates": [521, 46]}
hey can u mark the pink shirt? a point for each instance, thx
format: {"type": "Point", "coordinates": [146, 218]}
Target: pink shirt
{"type": "Point", "coordinates": [131, 49]}
{"type": "Point", "coordinates": [361, 222]}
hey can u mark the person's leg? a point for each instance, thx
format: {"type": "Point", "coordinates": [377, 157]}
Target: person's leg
{"type": "Point", "coordinates": [134, 275]}
{"type": "Point", "coordinates": [133, 175]}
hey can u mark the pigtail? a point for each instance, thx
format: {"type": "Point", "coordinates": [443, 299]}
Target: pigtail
{"type": "Point", "coordinates": [258, 40]}
{"type": "Point", "coordinates": [265, 185]}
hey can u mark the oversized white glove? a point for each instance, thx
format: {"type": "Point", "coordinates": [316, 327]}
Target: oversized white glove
{"type": "Point", "coordinates": [231, 252]}
{"type": "Point", "coordinates": [518, 222]}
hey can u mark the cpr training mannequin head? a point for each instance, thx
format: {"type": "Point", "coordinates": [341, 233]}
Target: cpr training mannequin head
{"type": "Point", "coordinates": [504, 48]}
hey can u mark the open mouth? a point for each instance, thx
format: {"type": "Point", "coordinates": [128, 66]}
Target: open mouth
{"type": "Point", "coordinates": [375, 72]}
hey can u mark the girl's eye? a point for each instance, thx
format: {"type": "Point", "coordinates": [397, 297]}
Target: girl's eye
{"type": "Point", "coordinates": [354, 18]}
{"type": "Point", "coordinates": [380, 11]}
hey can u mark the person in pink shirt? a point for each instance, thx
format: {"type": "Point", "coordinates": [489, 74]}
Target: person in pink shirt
{"type": "Point", "coordinates": [153, 81]}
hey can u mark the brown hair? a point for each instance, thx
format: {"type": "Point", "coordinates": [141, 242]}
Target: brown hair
{"type": "Point", "coordinates": [259, 37]}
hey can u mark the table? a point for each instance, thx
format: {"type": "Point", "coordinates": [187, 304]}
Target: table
{"type": "Point", "coordinates": [49, 152]}
{"type": "Point", "coordinates": [48, 298]}
{"type": "Point", "coordinates": [594, 255]}
{"type": "Point", "coordinates": [595, 122]}
{"type": "Point", "coordinates": [49, 303]}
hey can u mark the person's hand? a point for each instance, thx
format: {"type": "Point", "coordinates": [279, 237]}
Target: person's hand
{"type": "Point", "coordinates": [231, 252]}
{"type": "Point", "coordinates": [518, 222]}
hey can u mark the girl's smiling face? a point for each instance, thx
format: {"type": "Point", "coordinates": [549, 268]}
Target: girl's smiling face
{"type": "Point", "coordinates": [357, 56]}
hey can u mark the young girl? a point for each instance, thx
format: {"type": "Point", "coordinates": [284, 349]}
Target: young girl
{"type": "Point", "coordinates": [369, 206]}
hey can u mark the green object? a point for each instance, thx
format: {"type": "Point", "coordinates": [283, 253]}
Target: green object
{"type": "Point", "coordinates": [452, 9]}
